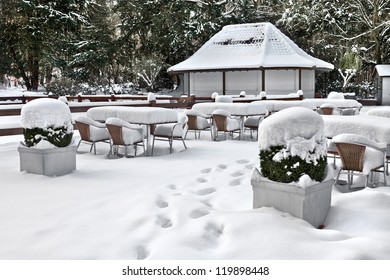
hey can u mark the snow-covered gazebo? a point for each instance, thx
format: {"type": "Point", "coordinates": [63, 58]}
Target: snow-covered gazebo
{"type": "Point", "coordinates": [252, 58]}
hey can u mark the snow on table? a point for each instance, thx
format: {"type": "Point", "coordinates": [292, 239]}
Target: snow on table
{"type": "Point", "coordinates": [372, 127]}
{"type": "Point", "coordinates": [380, 112]}
{"type": "Point", "coordinates": [138, 115]}
{"type": "Point", "coordinates": [278, 105]}
{"type": "Point", "coordinates": [339, 103]}
{"type": "Point", "coordinates": [236, 109]}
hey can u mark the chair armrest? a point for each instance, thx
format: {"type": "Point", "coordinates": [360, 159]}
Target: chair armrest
{"type": "Point", "coordinates": [360, 140]}
{"type": "Point", "coordinates": [90, 121]}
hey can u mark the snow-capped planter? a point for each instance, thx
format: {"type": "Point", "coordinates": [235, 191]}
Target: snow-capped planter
{"type": "Point", "coordinates": [293, 176]}
{"type": "Point", "coordinates": [48, 130]}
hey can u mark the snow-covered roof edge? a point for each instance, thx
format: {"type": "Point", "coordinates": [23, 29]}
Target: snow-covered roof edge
{"type": "Point", "coordinates": [383, 70]}
{"type": "Point", "coordinates": [266, 43]}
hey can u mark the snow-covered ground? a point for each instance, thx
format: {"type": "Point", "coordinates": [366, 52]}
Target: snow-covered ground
{"type": "Point", "coordinates": [191, 204]}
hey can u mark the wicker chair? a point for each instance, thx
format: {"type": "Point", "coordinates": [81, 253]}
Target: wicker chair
{"type": "Point", "coordinates": [349, 111]}
{"type": "Point", "coordinates": [91, 132]}
{"type": "Point", "coordinates": [197, 121]}
{"type": "Point", "coordinates": [252, 123]}
{"type": "Point", "coordinates": [360, 154]}
{"type": "Point", "coordinates": [222, 121]}
{"type": "Point", "coordinates": [171, 131]}
{"type": "Point", "coordinates": [332, 151]}
{"type": "Point", "coordinates": [327, 109]}
{"type": "Point", "coordinates": [124, 134]}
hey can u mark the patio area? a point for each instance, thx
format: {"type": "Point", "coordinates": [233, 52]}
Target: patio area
{"type": "Point", "coordinates": [195, 202]}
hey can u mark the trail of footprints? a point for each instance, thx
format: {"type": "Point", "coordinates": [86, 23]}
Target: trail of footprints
{"type": "Point", "coordinates": [212, 231]}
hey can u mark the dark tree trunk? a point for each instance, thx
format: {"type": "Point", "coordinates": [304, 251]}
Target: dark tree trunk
{"type": "Point", "coordinates": [35, 74]}
{"type": "Point", "coordinates": [20, 66]}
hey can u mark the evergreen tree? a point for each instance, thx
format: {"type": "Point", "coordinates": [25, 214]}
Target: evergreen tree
{"type": "Point", "coordinates": [34, 32]}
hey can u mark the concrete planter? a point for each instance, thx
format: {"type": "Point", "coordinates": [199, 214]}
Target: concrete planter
{"type": "Point", "coordinates": [310, 204]}
{"type": "Point", "coordinates": [49, 162]}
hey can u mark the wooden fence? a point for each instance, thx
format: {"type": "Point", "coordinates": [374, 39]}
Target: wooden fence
{"type": "Point", "coordinates": [12, 105]}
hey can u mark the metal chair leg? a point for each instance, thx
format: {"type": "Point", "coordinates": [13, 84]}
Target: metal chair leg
{"type": "Point", "coordinates": [153, 145]}
{"type": "Point", "coordinates": [78, 145]}
{"type": "Point", "coordinates": [170, 145]}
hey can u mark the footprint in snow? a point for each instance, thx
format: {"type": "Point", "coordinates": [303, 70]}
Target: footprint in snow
{"type": "Point", "coordinates": [242, 161]}
{"type": "Point", "coordinates": [171, 187]}
{"type": "Point", "coordinates": [235, 182]}
{"type": "Point", "coordinates": [237, 173]}
{"type": "Point", "coordinates": [164, 222]}
{"type": "Point", "coordinates": [205, 191]}
{"type": "Point", "coordinates": [160, 203]}
{"type": "Point", "coordinates": [198, 213]}
{"type": "Point", "coordinates": [201, 180]}
{"type": "Point", "coordinates": [142, 252]}
{"type": "Point", "coordinates": [249, 165]}
{"type": "Point", "coordinates": [212, 232]}
{"type": "Point", "coordinates": [222, 166]}
{"type": "Point", "coordinates": [206, 170]}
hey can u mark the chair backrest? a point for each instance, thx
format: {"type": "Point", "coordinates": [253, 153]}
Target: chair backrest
{"type": "Point", "coordinates": [83, 129]}
{"type": "Point", "coordinates": [327, 110]}
{"type": "Point", "coordinates": [348, 112]}
{"type": "Point", "coordinates": [220, 119]}
{"type": "Point", "coordinates": [220, 122]}
{"type": "Point", "coordinates": [352, 155]}
{"type": "Point", "coordinates": [192, 122]}
{"type": "Point", "coordinates": [116, 134]}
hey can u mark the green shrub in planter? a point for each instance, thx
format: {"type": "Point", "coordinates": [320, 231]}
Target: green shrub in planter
{"type": "Point", "coordinates": [59, 136]}
{"type": "Point", "coordinates": [47, 119]}
{"type": "Point", "coordinates": [291, 168]}
{"type": "Point", "coordinates": [292, 144]}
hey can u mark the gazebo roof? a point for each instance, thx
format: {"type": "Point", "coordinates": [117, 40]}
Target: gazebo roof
{"type": "Point", "coordinates": [249, 46]}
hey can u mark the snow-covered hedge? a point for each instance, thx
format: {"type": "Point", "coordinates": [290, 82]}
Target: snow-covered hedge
{"type": "Point", "coordinates": [292, 144]}
{"type": "Point", "coordinates": [47, 119]}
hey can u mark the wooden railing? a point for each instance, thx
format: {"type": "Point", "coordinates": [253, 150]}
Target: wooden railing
{"type": "Point", "coordinates": [23, 99]}
{"type": "Point", "coordinates": [84, 102]}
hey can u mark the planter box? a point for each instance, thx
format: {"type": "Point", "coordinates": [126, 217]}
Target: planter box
{"type": "Point", "coordinates": [310, 204]}
{"type": "Point", "coordinates": [49, 162]}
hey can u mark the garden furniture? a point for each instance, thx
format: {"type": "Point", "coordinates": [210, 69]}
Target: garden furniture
{"type": "Point", "coordinates": [124, 134]}
{"type": "Point", "coordinates": [91, 132]}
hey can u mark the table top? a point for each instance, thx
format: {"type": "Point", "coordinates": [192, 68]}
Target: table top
{"type": "Point", "coordinates": [339, 103]}
{"type": "Point", "coordinates": [137, 115]}
{"type": "Point", "coordinates": [311, 103]}
{"type": "Point", "coordinates": [372, 127]}
{"type": "Point", "coordinates": [278, 105]}
{"type": "Point", "coordinates": [236, 109]}
{"type": "Point", "coordinates": [383, 111]}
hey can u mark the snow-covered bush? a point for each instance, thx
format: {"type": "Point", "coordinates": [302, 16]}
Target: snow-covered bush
{"type": "Point", "coordinates": [292, 144]}
{"type": "Point", "coordinates": [47, 119]}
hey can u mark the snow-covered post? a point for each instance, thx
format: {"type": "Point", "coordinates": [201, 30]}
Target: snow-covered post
{"type": "Point", "coordinates": [300, 94]}
{"type": "Point", "coordinates": [48, 132]}
{"type": "Point", "coordinates": [152, 99]}
{"type": "Point", "coordinates": [214, 96]}
{"type": "Point", "coordinates": [292, 176]}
